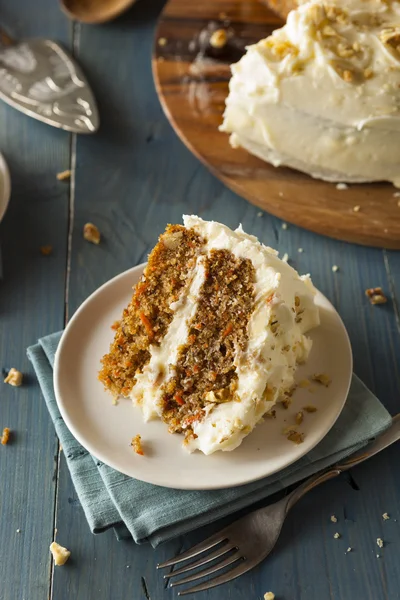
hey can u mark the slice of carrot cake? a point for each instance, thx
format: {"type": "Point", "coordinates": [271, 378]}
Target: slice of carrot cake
{"type": "Point", "coordinates": [213, 334]}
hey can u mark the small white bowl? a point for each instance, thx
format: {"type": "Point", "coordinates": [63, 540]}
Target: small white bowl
{"type": "Point", "coordinates": [5, 186]}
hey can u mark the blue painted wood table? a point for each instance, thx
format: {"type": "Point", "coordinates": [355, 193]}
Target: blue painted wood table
{"type": "Point", "coordinates": [131, 178]}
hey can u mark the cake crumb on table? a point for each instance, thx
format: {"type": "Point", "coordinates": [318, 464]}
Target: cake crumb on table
{"type": "Point", "coordinates": [337, 536]}
{"type": "Point", "coordinates": [333, 519]}
{"type": "Point", "coordinates": [60, 554]}
{"type": "Point", "coordinates": [342, 186]}
{"type": "Point", "coordinates": [284, 225]}
{"type": "Point", "coordinates": [349, 549]}
{"type": "Point", "coordinates": [300, 250]}
{"type": "Point", "coordinates": [136, 444]}
{"type": "Point", "coordinates": [379, 541]}
{"type": "Point", "coordinates": [385, 516]}
{"type": "Point", "coordinates": [46, 250]}
{"type": "Point", "coordinates": [259, 214]}
{"type": "Point", "coordinates": [91, 233]}
{"type": "Point", "coordinates": [356, 208]}
{"type": "Point", "coordinates": [64, 175]}
{"type": "Point", "coordinates": [5, 438]}
{"type": "Point", "coordinates": [335, 268]}
{"type": "Point", "coordinates": [376, 295]}
{"type": "Point", "coordinates": [269, 596]}
{"type": "Point", "coordinates": [14, 377]}
{"type": "Point", "coordinates": [322, 378]}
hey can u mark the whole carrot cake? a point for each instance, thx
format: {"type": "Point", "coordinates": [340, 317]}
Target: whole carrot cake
{"type": "Point", "coordinates": [213, 334]}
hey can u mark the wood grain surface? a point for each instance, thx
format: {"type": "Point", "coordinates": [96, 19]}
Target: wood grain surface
{"type": "Point", "coordinates": [130, 179]}
{"type": "Point", "coordinates": [192, 82]}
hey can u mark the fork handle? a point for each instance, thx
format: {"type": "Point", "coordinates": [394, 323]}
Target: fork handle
{"type": "Point", "coordinates": [310, 484]}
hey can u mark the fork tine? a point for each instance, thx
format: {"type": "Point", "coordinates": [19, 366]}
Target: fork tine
{"type": "Point", "coordinates": [195, 550]}
{"type": "Point", "coordinates": [241, 568]}
{"type": "Point", "coordinates": [202, 561]}
{"type": "Point", "coordinates": [217, 567]}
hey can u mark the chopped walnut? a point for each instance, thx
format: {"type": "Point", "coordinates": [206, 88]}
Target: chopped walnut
{"type": "Point", "coordinates": [91, 233]}
{"type": "Point", "coordinates": [333, 519]}
{"type": "Point", "coordinates": [376, 295]}
{"type": "Point", "coordinates": [219, 38]}
{"type": "Point", "coordinates": [64, 175]}
{"type": "Point", "coordinates": [60, 554]}
{"type": "Point", "coordinates": [385, 517]}
{"type": "Point", "coordinates": [356, 208]}
{"type": "Point", "coordinates": [269, 596]}
{"type": "Point", "coordinates": [136, 444]}
{"type": "Point", "coordinates": [309, 408]}
{"type": "Point", "coordinates": [299, 418]}
{"type": "Point", "coordinates": [5, 438]}
{"type": "Point", "coordinates": [379, 541]}
{"type": "Point", "coordinates": [337, 536]}
{"type": "Point", "coordinates": [296, 437]}
{"type": "Point", "coordinates": [14, 377]}
{"type": "Point", "coordinates": [322, 378]}
{"type": "Point", "coordinates": [46, 250]}
{"type": "Point", "coordinates": [271, 414]}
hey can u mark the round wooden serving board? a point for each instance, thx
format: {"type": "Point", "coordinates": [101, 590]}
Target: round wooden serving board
{"type": "Point", "coordinates": [192, 82]}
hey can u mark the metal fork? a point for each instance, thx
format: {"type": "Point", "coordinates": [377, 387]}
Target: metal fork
{"type": "Point", "coordinates": [248, 541]}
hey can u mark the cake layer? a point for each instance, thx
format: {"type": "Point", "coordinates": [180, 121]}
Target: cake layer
{"type": "Point", "coordinates": [216, 330]}
{"type": "Point", "coordinates": [146, 320]}
{"type": "Point", "coordinates": [322, 94]}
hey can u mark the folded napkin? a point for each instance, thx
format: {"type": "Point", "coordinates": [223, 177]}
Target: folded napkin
{"type": "Point", "coordinates": [156, 514]}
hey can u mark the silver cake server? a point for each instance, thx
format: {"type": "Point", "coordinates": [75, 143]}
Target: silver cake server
{"type": "Point", "coordinates": [41, 80]}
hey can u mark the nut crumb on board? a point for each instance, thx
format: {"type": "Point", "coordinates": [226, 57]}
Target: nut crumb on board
{"type": "Point", "coordinates": [284, 226]}
{"type": "Point", "coordinates": [349, 549]}
{"type": "Point", "coordinates": [379, 541]}
{"type": "Point", "coordinates": [322, 378]}
{"type": "Point", "coordinates": [356, 208]}
{"type": "Point", "coordinates": [5, 438]}
{"type": "Point", "coordinates": [46, 250]}
{"type": "Point", "coordinates": [334, 519]}
{"type": "Point", "coordinates": [376, 295]}
{"type": "Point", "coordinates": [64, 175]}
{"type": "Point", "coordinates": [60, 554]}
{"type": "Point", "coordinates": [136, 444]}
{"type": "Point", "coordinates": [14, 377]}
{"type": "Point", "coordinates": [385, 517]}
{"type": "Point", "coordinates": [337, 536]}
{"type": "Point", "coordinates": [269, 596]}
{"type": "Point", "coordinates": [91, 233]}
{"type": "Point", "coordinates": [335, 268]}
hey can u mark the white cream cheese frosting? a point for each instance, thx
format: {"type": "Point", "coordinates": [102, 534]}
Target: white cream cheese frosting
{"type": "Point", "coordinates": [284, 311]}
{"type": "Point", "coordinates": [322, 94]}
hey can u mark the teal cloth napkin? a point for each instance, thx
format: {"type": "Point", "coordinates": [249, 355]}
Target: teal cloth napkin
{"type": "Point", "coordinates": [156, 514]}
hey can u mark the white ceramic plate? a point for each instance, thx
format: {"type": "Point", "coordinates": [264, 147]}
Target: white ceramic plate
{"type": "Point", "coordinates": [5, 186]}
{"type": "Point", "coordinates": [106, 430]}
